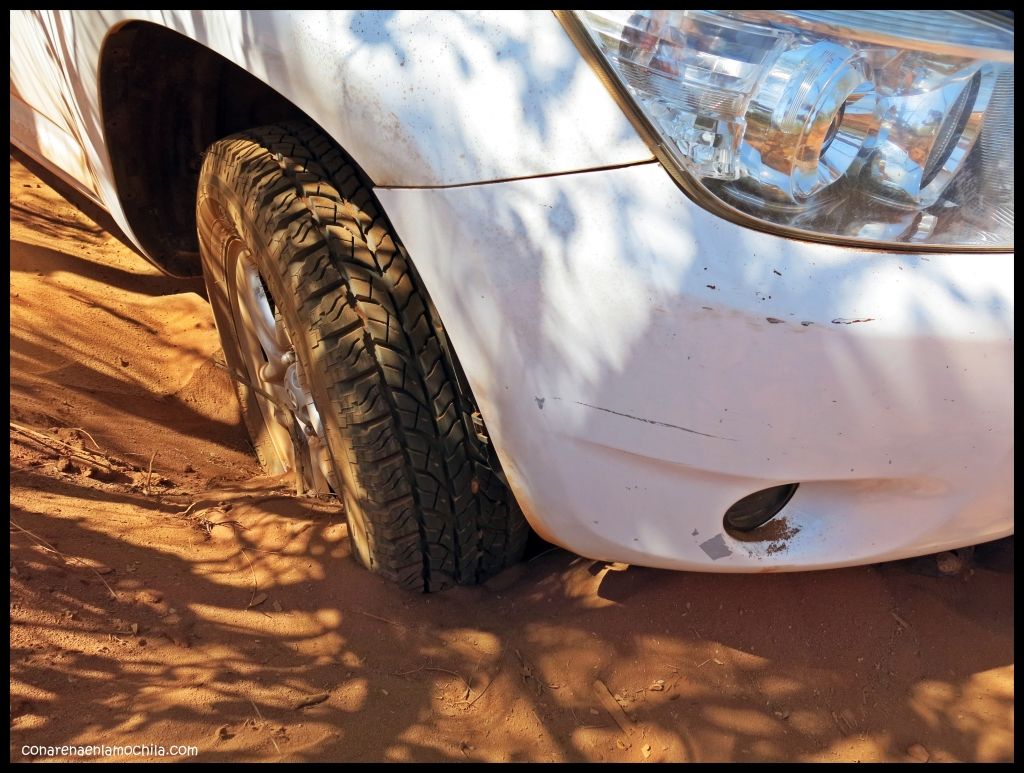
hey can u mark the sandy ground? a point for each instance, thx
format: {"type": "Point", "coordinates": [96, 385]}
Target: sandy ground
{"type": "Point", "coordinates": [199, 604]}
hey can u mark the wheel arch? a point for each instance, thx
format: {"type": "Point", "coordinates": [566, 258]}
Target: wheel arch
{"type": "Point", "coordinates": [156, 129]}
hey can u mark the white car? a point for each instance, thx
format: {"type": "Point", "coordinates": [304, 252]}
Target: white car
{"type": "Point", "coordinates": [706, 290]}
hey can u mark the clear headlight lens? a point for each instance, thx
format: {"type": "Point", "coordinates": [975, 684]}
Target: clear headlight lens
{"type": "Point", "coordinates": [861, 126]}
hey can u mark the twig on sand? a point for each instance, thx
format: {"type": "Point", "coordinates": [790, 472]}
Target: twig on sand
{"type": "Point", "coordinates": [310, 700]}
{"type": "Point", "coordinates": [469, 704]}
{"type": "Point", "coordinates": [149, 473]}
{"type": "Point", "coordinates": [56, 445]}
{"type": "Point", "coordinates": [608, 702]}
{"type": "Point", "coordinates": [256, 709]}
{"type": "Point", "coordinates": [184, 513]}
{"type": "Point", "coordinates": [432, 668]}
{"type": "Point", "coordinates": [255, 582]}
{"type": "Point", "coordinates": [79, 429]}
{"type": "Point", "coordinates": [209, 503]}
{"type": "Point", "coordinates": [51, 549]}
{"type": "Point", "coordinates": [903, 623]}
{"type": "Point", "coordinates": [263, 722]}
{"type": "Point", "coordinates": [381, 619]}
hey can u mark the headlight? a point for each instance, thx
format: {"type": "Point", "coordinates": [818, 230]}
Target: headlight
{"type": "Point", "coordinates": [879, 127]}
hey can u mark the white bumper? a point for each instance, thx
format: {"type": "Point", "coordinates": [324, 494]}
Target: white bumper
{"type": "Point", "coordinates": [642, 364]}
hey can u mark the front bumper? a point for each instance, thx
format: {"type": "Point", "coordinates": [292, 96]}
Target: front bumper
{"type": "Point", "coordinates": [642, 364]}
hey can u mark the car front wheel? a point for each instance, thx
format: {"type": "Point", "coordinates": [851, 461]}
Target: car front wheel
{"type": "Point", "coordinates": [342, 370]}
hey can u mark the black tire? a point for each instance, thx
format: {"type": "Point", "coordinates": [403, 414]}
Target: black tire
{"type": "Point", "coordinates": [423, 503]}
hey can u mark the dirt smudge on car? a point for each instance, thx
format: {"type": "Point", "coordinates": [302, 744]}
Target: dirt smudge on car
{"type": "Point", "coordinates": [774, 535]}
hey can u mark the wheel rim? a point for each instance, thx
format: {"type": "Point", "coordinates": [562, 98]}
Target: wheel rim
{"type": "Point", "coordinates": [281, 387]}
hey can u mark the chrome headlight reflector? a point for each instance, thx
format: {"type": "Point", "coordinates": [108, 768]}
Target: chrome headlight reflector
{"type": "Point", "coordinates": [881, 127]}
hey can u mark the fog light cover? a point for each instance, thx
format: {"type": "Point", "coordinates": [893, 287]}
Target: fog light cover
{"type": "Point", "coordinates": [758, 508]}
